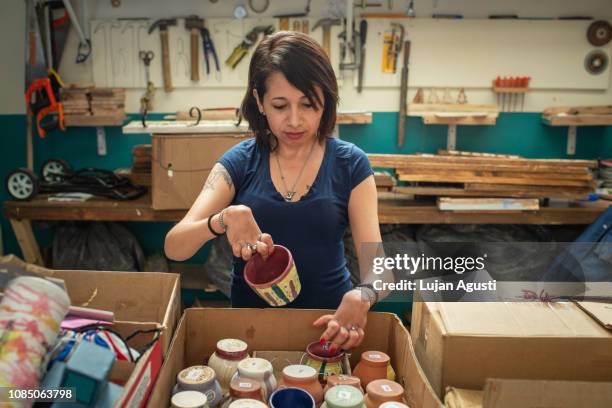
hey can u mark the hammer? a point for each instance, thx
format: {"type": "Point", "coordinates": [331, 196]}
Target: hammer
{"type": "Point", "coordinates": [194, 24]}
{"type": "Point", "coordinates": [325, 24]}
{"type": "Point", "coordinates": [163, 24]}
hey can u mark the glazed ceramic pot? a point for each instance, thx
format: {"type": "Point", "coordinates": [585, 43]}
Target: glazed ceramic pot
{"type": "Point", "coordinates": [199, 378]}
{"type": "Point", "coordinates": [381, 391]}
{"type": "Point", "coordinates": [393, 404]}
{"type": "Point", "coordinates": [324, 361]}
{"type": "Point", "coordinates": [260, 370]}
{"type": "Point", "coordinates": [342, 379]}
{"type": "Point", "coordinates": [343, 396]}
{"type": "Point", "coordinates": [225, 359]}
{"type": "Point", "coordinates": [304, 377]}
{"type": "Point", "coordinates": [246, 388]}
{"type": "Point", "coordinates": [275, 279]}
{"type": "Point", "coordinates": [291, 398]}
{"type": "Point", "coordinates": [247, 403]}
{"type": "Point", "coordinates": [189, 399]}
{"type": "Point", "coordinates": [372, 366]}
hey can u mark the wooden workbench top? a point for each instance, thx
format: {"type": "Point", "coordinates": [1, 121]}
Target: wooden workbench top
{"type": "Point", "coordinates": [398, 211]}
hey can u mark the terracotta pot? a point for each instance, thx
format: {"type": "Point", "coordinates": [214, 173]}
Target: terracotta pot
{"type": "Point", "coordinates": [225, 359]}
{"type": "Point", "coordinates": [318, 355]}
{"type": "Point", "coordinates": [275, 279]}
{"type": "Point", "coordinates": [380, 391]}
{"type": "Point", "coordinates": [343, 396]}
{"type": "Point", "coordinates": [246, 388]}
{"type": "Point", "coordinates": [199, 378]}
{"type": "Point", "coordinates": [260, 370]}
{"type": "Point", "coordinates": [372, 366]}
{"type": "Point", "coordinates": [305, 378]}
{"type": "Point", "coordinates": [393, 404]}
{"type": "Point", "coordinates": [342, 379]}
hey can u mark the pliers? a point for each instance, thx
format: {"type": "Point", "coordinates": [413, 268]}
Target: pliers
{"type": "Point", "coordinates": [209, 47]}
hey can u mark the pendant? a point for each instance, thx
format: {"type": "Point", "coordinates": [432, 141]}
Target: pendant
{"type": "Point", "coordinates": [289, 196]}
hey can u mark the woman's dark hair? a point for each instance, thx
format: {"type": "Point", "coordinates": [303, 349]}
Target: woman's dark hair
{"type": "Point", "coordinates": [305, 65]}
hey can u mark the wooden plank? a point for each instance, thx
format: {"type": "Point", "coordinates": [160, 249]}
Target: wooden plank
{"type": "Point", "coordinates": [399, 160]}
{"type": "Point", "coordinates": [94, 120]}
{"type": "Point", "coordinates": [187, 127]}
{"type": "Point", "coordinates": [451, 107]}
{"type": "Point", "coordinates": [460, 120]}
{"type": "Point", "coordinates": [479, 187]}
{"type": "Point", "coordinates": [342, 118]}
{"type": "Point", "coordinates": [488, 204]}
{"type": "Point", "coordinates": [578, 120]}
{"type": "Point", "coordinates": [383, 179]}
{"type": "Point", "coordinates": [576, 110]}
{"type": "Point", "coordinates": [530, 169]}
{"type": "Point", "coordinates": [27, 242]}
{"type": "Point", "coordinates": [354, 118]}
{"type": "Point", "coordinates": [505, 191]}
{"type": "Point", "coordinates": [467, 178]}
{"type": "Point", "coordinates": [443, 152]}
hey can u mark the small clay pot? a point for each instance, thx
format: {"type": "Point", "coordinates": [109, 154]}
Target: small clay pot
{"type": "Point", "coordinates": [258, 369]}
{"type": "Point", "coordinates": [381, 391]}
{"type": "Point", "coordinates": [343, 396]}
{"type": "Point", "coordinates": [372, 366]}
{"type": "Point", "coordinates": [304, 377]}
{"type": "Point", "coordinates": [246, 388]}
{"type": "Point", "coordinates": [274, 279]}
{"type": "Point", "coordinates": [247, 403]}
{"type": "Point", "coordinates": [318, 355]}
{"type": "Point", "coordinates": [225, 359]}
{"type": "Point", "coordinates": [342, 379]}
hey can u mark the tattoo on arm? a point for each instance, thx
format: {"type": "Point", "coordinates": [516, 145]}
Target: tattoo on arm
{"type": "Point", "coordinates": [216, 173]}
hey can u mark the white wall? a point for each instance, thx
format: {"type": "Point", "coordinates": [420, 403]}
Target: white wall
{"type": "Point", "coordinates": [12, 23]}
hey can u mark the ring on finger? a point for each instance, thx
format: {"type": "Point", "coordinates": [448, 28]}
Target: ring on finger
{"type": "Point", "coordinates": [252, 247]}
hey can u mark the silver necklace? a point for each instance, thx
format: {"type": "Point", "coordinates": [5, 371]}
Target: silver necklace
{"type": "Point", "coordinates": [290, 193]}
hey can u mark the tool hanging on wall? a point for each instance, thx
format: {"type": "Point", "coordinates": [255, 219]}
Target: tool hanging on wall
{"type": "Point", "coordinates": [363, 33]}
{"type": "Point", "coordinates": [259, 8]}
{"type": "Point", "coordinates": [509, 90]}
{"type": "Point", "coordinates": [146, 102]}
{"type": "Point", "coordinates": [42, 101]}
{"type": "Point", "coordinates": [283, 23]}
{"type": "Point", "coordinates": [403, 96]}
{"type": "Point", "coordinates": [163, 25]}
{"type": "Point", "coordinates": [392, 45]}
{"type": "Point", "coordinates": [599, 33]}
{"type": "Point", "coordinates": [326, 24]}
{"type": "Point", "coordinates": [84, 48]}
{"type": "Point", "coordinates": [249, 40]}
{"type": "Point", "coordinates": [209, 48]}
{"type": "Point", "coordinates": [194, 25]}
{"type": "Point", "coordinates": [462, 97]}
{"type": "Point", "coordinates": [350, 45]}
{"type": "Point", "coordinates": [596, 62]}
{"type": "Point", "coordinates": [419, 97]}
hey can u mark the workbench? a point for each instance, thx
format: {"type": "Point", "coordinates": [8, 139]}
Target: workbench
{"type": "Point", "coordinates": [390, 211]}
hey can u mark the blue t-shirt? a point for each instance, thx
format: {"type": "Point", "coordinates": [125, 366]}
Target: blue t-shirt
{"type": "Point", "coordinates": [311, 228]}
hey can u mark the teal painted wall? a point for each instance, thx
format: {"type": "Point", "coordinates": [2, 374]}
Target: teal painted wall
{"type": "Point", "coordinates": [515, 133]}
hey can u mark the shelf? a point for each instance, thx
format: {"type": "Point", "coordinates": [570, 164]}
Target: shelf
{"type": "Point", "coordinates": [185, 127]}
{"type": "Point", "coordinates": [574, 117]}
{"type": "Point", "coordinates": [342, 118]}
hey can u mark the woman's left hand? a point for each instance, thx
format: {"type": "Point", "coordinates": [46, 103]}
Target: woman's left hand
{"type": "Point", "coordinates": [345, 328]}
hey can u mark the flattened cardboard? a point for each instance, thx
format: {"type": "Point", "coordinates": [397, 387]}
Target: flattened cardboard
{"type": "Point", "coordinates": [191, 157]}
{"type": "Point", "coordinates": [461, 344]}
{"type": "Point", "coordinates": [511, 393]}
{"type": "Point", "coordinates": [600, 311]}
{"type": "Point", "coordinates": [290, 330]}
{"type": "Point", "coordinates": [462, 398]}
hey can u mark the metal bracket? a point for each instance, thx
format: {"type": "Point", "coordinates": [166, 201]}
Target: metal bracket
{"type": "Point", "coordinates": [451, 137]}
{"type": "Point", "coordinates": [571, 140]}
{"type": "Point", "coordinates": [101, 139]}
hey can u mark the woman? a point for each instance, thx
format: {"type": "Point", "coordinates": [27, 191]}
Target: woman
{"type": "Point", "coordinates": [291, 185]}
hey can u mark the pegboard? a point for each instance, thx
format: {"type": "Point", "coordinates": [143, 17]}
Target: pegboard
{"type": "Point", "coordinates": [116, 45]}
{"type": "Point", "coordinates": [471, 53]}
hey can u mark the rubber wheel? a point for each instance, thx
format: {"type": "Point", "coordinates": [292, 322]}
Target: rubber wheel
{"type": "Point", "coordinates": [22, 184]}
{"type": "Point", "coordinates": [52, 169]}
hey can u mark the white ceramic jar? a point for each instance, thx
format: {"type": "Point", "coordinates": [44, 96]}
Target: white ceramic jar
{"type": "Point", "coordinates": [189, 399]}
{"type": "Point", "coordinates": [247, 403]}
{"type": "Point", "coordinates": [261, 370]}
{"type": "Point", "coordinates": [225, 359]}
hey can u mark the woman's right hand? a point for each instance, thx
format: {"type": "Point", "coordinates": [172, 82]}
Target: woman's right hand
{"type": "Point", "coordinates": [244, 234]}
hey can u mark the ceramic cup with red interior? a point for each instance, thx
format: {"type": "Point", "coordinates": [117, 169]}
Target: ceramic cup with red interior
{"type": "Point", "coordinates": [274, 279]}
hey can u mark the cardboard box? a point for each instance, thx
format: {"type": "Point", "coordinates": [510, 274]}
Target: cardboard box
{"type": "Point", "coordinates": [463, 344]}
{"type": "Point", "coordinates": [147, 297]}
{"type": "Point", "coordinates": [290, 330]}
{"type": "Point", "coordinates": [190, 159]}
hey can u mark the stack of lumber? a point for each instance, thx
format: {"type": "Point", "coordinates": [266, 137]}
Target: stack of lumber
{"type": "Point", "coordinates": [578, 116]}
{"type": "Point", "coordinates": [384, 180]}
{"type": "Point", "coordinates": [140, 172]}
{"type": "Point", "coordinates": [473, 175]}
{"type": "Point", "coordinates": [90, 106]}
